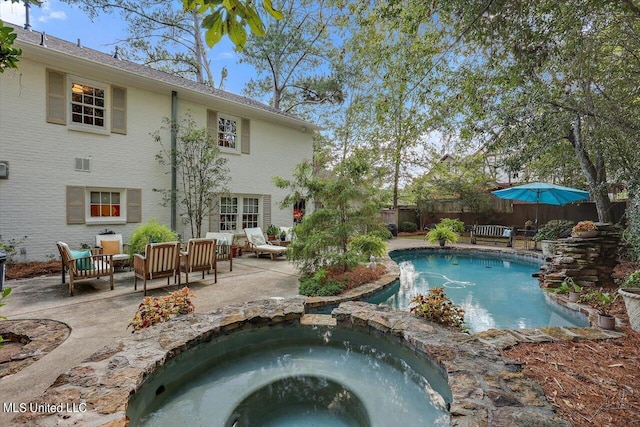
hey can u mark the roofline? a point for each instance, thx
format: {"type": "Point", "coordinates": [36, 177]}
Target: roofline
{"type": "Point", "coordinates": [33, 50]}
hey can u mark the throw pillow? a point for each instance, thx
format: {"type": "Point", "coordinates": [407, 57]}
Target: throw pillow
{"type": "Point", "coordinates": [83, 259]}
{"type": "Point", "coordinates": [110, 247]}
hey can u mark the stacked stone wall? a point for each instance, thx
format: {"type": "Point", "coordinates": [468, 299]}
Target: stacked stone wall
{"type": "Point", "coordinates": [589, 262]}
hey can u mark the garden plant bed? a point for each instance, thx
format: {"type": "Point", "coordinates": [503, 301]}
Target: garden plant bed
{"type": "Point", "coordinates": [357, 276]}
{"type": "Point", "coordinates": [590, 382]}
{"type": "Point", "coordinates": [27, 270]}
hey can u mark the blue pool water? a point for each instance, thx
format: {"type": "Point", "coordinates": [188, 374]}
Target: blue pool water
{"type": "Point", "coordinates": [497, 293]}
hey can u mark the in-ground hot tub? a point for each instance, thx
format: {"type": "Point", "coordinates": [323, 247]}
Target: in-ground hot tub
{"type": "Point", "coordinates": [295, 375]}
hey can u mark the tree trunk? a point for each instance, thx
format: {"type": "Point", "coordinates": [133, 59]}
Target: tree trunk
{"type": "Point", "coordinates": [596, 174]}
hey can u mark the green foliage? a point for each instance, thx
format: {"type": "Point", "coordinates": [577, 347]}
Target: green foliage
{"type": "Point", "coordinates": [407, 227]}
{"type": "Point", "coordinates": [318, 285]}
{"type": "Point", "coordinates": [231, 18]}
{"type": "Point", "coordinates": [383, 234]}
{"type": "Point", "coordinates": [9, 247]}
{"type": "Point", "coordinates": [453, 223]}
{"type": "Point", "coordinates": [554, 229]}
{"type": "Point", "coordinates": [442, 232]}
{"type": "Point", "coordinates": [5, 293]}
{"type": "Point", "coordinates": [8, 54]}
{"type": "Point", "coordinates": [366, 245]}
{"type": "Point", "coordinates": [273, 230]}
{"type": "Point", "coordinates": [348, 207]}
{"type": "Point", "coordinates": [603, 301]}
{"type": "Point", "coordinates": [567, 285]}
{"type": "Point", "coordinates": [437, 307]}
{"type": "Point", "coordinates": [633, 280]}
{"type": "Point", "coordinates": [203, 172]}
{"type": "Point", "coordinates": [150, 232]}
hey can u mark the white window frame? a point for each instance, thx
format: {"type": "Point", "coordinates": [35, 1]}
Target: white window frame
{"type": "Point", "coordinates": [122, 219]}
{"type": "Point", "coordinates": [224, 212]}
{"type": "Point", "coordinates": [239, 213]}
{"type": "Point", "coordinates": [247, 211]}
{"type": "Point", "coordinates": [237, 136]}
{"type": "Point", "coordinates": [106, 119]}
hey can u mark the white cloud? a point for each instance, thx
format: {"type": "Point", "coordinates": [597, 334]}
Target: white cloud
{"type": "Point", "coordinates": [224, 55]}
{"type": "Point", "coordinates": [47, 13]}
{"type": "Point", "coordinates": [12, 12]}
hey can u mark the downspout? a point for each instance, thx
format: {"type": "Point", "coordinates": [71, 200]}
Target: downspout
{"type": "Point", "coordinates": [174, 146]}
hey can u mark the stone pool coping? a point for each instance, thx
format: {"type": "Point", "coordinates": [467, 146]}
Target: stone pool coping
{"type": "Point", "coordinates": [486, 388]}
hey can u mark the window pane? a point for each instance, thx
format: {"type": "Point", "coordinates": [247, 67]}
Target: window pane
{"type": "Point", "coordinates": [95, 197]}
{"type": "Point", "coordinates": [115, 198]}
{"type": "Point", "coordinates": [95, 210]}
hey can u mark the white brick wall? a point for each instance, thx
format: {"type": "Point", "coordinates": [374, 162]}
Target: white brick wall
{"type": "Point", "coordinates": [41, 161]}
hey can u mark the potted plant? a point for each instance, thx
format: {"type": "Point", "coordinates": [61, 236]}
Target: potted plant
{"type": "Point", "coordinates": [604, 301]}
{"type": "Point", "coordinates": [272, 232]}
{"type": "Point", "coordinates": [574, 289]}
{"type": "Point", "coordinates": [630, 292]}
{"type": "Point", "coordinates": [442, 234]}
{"type": "Point", "coordinates": [584, 230]}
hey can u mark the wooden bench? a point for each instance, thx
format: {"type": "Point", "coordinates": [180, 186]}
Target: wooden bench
{"type": "Point", "coordinates": [492, 232]}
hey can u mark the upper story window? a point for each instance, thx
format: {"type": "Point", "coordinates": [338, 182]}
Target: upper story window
{"type": "Point", "coordinates": [227, 131]}
{"type": "Point", "coordinates": [232, 134]}
{"type": "Point", "coordinates": [87, 105]}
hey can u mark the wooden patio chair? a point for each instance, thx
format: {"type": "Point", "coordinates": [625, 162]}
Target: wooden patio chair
{"type": "Point", "coordinates": [224, 241]}
{"type": "Point", "coordinates": [113, 244]}
{"type": "Point", "coordinates": [82, 265]}
{"type": "Point", "coordinates": [159, 260]}
{"type": "Point", "coordinates": [199, 256]}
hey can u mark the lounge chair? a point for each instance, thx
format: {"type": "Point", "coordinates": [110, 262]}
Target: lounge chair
{"type": "Point", "coordinates": [258, 244]}
{"type": "Point", "coordinates": [199, 256]}
{"type": "Point", "coordinates": [111, 244]}
{"type": "Point", "coordinates": [159, 260]}
{"type": "Point", "coordinates": [81, 265]}
{"type": "Point", "coordinates": [224, 243]}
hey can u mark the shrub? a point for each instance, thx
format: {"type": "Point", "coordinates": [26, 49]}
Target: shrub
{"type": "Point", "coordinates": [407, 227]}
{"type": "Point", "coordinates": [554, 229]}
{"type": "Point", "coordinates": [383, 234]}
{"type": "Point", "coordinates": [317, 285]}
{"type": "Point", "coordinates": [150, 232]}
{"type": "Point", "coordinates": [442, 232]}
{"type": "Point", "coordinates": [633, 281]}
{"type": "Point", "coordinates": [454, 224]}
{"type": "Point", "coordinates": [366, 245]}
{"type": "Point", "coordinates": [437, 307]}
{"type": "Point", "coordinates": [156, 310]}
{"type": "Point", "coordinates": [9, 248]}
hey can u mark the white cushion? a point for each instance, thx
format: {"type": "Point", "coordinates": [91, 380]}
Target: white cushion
{"type": "Point", "coordinates": [271, 248]}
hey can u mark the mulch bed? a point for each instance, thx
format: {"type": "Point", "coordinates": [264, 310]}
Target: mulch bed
{"type": "Point", "coordinates": [26, 270]}
{"type": "Point", "coordinates": [590, 383]}
{"type": "Point", "coordinates": [358, 276]}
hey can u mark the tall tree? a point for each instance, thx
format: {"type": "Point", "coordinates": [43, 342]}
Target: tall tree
{"type": "Point", "coordinates": [390, 55]}
{"type": "Point", "coordinates": [527, 76]}
{"type": "Point", "coordinates": [296, 61]}
{"type": "Point", "coordinates": [203, 173]}
{"type": "Point", "coordinates": [161, 35]}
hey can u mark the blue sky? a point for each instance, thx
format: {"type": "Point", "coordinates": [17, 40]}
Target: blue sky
{"type": "Point", "coordinates": [70, 23]}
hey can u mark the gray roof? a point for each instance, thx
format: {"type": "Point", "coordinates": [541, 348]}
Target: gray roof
{"type": "Point", "coordinates": [72, 49]}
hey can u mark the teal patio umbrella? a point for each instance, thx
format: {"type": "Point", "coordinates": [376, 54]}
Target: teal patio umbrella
{"type": "Point", "coordinates": [540, 192]}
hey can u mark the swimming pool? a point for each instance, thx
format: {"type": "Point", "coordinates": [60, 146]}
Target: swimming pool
{"type": "Point", "coordinates": [496, 291]}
